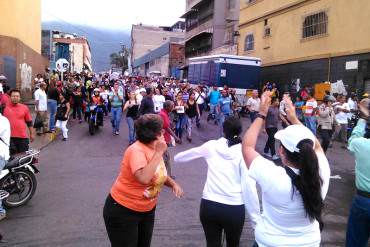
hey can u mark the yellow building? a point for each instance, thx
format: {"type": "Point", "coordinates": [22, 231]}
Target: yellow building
{"type": "Point", "coordinates": [20, 42]}
{"type": "Point", "coordinates": [309, 40]}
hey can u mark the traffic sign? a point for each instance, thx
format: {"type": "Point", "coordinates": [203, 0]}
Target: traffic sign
{"type": "Point", "coordinates": [62, 65]}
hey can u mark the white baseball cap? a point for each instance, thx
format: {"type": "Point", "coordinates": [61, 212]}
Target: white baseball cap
{"type": "Point", "coordinates": [142, 90]}
{"type": "Point", "coordinates": [292, 135]}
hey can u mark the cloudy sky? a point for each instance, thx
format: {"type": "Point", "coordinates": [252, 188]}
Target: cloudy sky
{"type": "Point", "coordinates": [113, 14]}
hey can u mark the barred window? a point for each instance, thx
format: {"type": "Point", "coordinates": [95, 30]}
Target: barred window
{"type": "Point", "coordinates": [249, 43]}
{"type": "Point", "coordinates": [315, 25]}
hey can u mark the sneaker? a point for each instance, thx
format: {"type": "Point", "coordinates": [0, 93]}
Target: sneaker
{"type": "Point", "coordinates": [117, 133]}
{"type": "Point", "coordinates": [275, 157]}
{"type": "Point", "coordinates": [2, 215]}
{"type": "Point", "coordinates": [64, 139]}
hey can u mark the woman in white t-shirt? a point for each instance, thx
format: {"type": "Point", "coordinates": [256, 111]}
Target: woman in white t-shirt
{"type": "Point", "coordinates": [292, 194]}
{"type": "Point", "coordinates": [228, 190]}
{"type": "Point", "coordinates": [158, 101]}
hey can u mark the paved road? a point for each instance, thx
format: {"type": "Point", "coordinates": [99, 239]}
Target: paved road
{"type": "Point", "coordinates": [76, 177]}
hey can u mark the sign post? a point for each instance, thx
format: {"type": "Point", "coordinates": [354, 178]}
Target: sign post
{"type": "Point", "coordinates": [62, 66]}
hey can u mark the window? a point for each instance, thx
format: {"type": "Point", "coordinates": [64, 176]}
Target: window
{"type": "Point", "coordinates": [267, 32]}
{"type": "Point", "coordinates": [231, 4]}
{"type": "Point", "coordinates": [249, 43]}
{"type": "Point", "coordinates": [315, 25]}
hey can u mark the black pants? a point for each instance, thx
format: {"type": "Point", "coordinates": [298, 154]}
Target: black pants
{"type": "Point", "coordinates": [270, 143]}
{"type": "Point", "coordinates": [217, 217]}
{"type": "Point", "coordinates": [77, 110]}
{"type": "Point", "coordinates": [325, 136]}
{"type": "Point", "coordinates": [18, 145]}
{"type": "Point", "coordinates": [127, 228]}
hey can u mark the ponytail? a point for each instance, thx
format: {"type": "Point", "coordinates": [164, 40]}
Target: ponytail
{"type": "Point", "coordinates": [308, 182]}
{"type": "Point", "coordinates": [232, 128]}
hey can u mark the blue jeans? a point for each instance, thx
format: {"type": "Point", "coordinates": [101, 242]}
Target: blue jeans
{"type": "Point", "coordinates": [116, 113]}
{"type": "Point", "coordinates": [310, 123]}
{"type": "Point", "coordinates": [131, 129]}
{"type": "Point", "coordinates": [221, 120]}
{"type": "Point", "coordinates": [180, 124]}
{"type": "Point", "coordinates": [213, 111]}
{"type": "Point", "coordinates": [52, 107]}
{"type": "Point", "coordinates": [253, 115]}
{"type": "Point", "coordinates": [358, 227]}
{"type": "Point", "coordinates": [2, 164]}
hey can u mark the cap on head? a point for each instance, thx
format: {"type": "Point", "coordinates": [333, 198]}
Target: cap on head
{"type": "Point", "coordinates": [292, 135]}
{"type": "Point", "coordinates": [3, 78]}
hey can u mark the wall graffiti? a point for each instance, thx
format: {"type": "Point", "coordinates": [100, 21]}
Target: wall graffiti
{"type": "Point", "coordinates": [26, 76]}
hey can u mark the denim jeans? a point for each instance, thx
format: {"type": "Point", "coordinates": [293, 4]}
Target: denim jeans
{"type": "Point", "coordinates": [310, 123]}
{"type": "Point", "coordinates": [131, 129]}
{"type": "Point", "coordinates": [2, 164]}
{"type": "Point", "coordinates": [115, 114]}
{"type": "Point", "coordinates": [213, 111]}
{"type": "Point", "coordinates": [358, 227]}
{"type": "Point", "coordinates": [180, 124]}
{"type": "Point", "coordinates": [52, 107]}
{"type": "Point", "coordinates": [221, 120]}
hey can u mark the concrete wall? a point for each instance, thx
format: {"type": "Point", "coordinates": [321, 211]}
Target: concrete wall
{"type": "Point", "coordinates": [22, 19]}
{"type": "Point", "coordinates": [78, 57]}
{"type": "Point", "coordinates": [28, 63]}
{"type": "Point", "coordinates": [348, 29]}
{"type": "Point", "coordinates": [145, 39]}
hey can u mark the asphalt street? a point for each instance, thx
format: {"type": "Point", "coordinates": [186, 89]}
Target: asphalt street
{"type": "Point", "coordinates": [76, 177]}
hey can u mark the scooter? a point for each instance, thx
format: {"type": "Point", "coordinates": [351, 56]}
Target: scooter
{"type": "Point", "coordinates": [94, 121]}
{"type": "Point", "coordinates": [17, 179]}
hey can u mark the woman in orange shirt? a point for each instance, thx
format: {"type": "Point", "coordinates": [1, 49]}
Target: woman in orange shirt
{"type": "Point", "coordinates": [129, 209]}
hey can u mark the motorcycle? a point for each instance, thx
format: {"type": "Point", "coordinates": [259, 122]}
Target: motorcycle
{"type": "Point", "coordinates": [17, 179]}
{"type": "Point", "coordinates": [95, 118]}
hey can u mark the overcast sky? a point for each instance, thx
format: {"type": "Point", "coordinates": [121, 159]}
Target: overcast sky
{"type": "Point", "coordinates": [113, 14]}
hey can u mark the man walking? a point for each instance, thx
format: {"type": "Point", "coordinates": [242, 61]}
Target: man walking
{"type": "Point", "coordinates": [116, 101]}
{"type": "Point", "coordinates": [224, 109]}
{"type": "Point", "coordinates": [214, 97]}
{"type": "Point", "coordinates": [310, 113]}
{"type": "Point", "coordinates": [168, 106]}
{"type": "Point", "coordinates": [19, 118]}
{"type": "Point", "coordinates": [253, 105]}
{"type": "Point", "coordinates": [147, 105]}
{"type": "Point", "coordinates": [341, 110]}
{"type": "Point", "coordinates": [41, 107]}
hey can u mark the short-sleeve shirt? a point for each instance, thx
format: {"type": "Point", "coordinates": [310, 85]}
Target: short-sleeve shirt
{"type": "Point", "coordinates": [254, 104]}
{"type": "Point", "coordinates": [41, 96]}
{"type": "Point", "coordinates": [18, 115]}
{"type": "Point", "coordinates": [311, 105]}
{"type": "Point", "coordinates": [284, 221]}
{"type": "Point", "coordinates": [129, 192]}
{"type": "Point", "coordinates": [225, 105]}
{"type": "Point", "coordinates": [166, 125]}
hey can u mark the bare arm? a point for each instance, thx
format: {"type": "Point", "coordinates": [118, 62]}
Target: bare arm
{"type": "Point", "coordinates": [145, 174]}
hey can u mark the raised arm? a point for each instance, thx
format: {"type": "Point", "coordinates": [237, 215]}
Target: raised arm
{"type": "Point", "coordinates": [250, 137]}
{"type": "Point", "coordinates": [191, 154]}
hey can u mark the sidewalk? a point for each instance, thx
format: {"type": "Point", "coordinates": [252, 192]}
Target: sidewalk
{"type": "Point", "coordinates": [40, 141]}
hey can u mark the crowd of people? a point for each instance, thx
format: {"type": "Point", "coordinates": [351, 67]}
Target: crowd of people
{"type": "Point", "coordinates": [160, 112]}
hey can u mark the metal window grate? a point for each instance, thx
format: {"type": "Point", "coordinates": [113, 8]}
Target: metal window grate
{"type": "Point", "coordinates": [249, 43]}
{"type": "Point", "coordinates": [315, 25]}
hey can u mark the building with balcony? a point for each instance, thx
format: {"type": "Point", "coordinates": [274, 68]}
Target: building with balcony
{"type": "Point", "coordinates": [211, 27]}
{"type": "Point", "coordinates": [310, 41]}
{"type": "Point", "coordinates": [73, 48]}
{"type": "Point", "coordinates": [20, 43]}
{"type": "Point", "coordinates": [145, 39]}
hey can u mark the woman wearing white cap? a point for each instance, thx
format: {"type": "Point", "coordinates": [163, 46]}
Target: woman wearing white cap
{"type": "Point", "coordinates": [292, 194]}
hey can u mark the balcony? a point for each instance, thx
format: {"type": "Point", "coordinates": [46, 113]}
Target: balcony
{"type": "Point", "coordinates": [206, 26]}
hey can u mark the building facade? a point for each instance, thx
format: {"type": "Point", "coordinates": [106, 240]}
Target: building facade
{"type": "Point", "coordinates": [75, 49]}
{"type": "Point", "coordinates": [166, 60]}
{"type": "Point", "coordinates": [20, 43]}
{"type": "Point", "coordinates": [310, 40]}
{"type": "Point", "coordinates": [211, 27]}
{"type": "Point", "coordinates": [145, 39]}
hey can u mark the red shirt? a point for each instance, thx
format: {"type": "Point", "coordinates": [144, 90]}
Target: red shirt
{"type": "Point", "coordinates": [166, 125]}
{"type": "Point", "coordinates": [18, 115]}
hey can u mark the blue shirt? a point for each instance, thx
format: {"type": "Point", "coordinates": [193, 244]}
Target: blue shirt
{"type": "Point", "coordinates": [360, 147]}
{"type": "Point", "coordinates": [214, 96]}
{"type": "Point", "coordinates": [225, 105]}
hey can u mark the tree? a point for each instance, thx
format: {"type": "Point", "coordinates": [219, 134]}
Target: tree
{"type": "Point", "coordinates": [120, 59]}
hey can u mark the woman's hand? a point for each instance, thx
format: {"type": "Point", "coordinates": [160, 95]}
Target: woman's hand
{"type": "Point", "coordinates": [160, 145]}
{"type": "Point", "coordinates": [177, 190]}
{"type": "Point", "coordinates": [363, 106]}
{"type": "Point", "coordinates": [290, 111]}
{"type": "Point", "coordinates": [265, 103]}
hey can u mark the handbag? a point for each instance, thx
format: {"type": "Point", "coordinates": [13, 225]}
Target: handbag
{"type": "Point", "coordinates": [38, 123]}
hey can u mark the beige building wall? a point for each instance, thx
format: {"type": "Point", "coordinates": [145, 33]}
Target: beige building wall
{"type": "Point", "coordinates": [77, 51]}
{"type": "Point", "coordinates": [348, 29]}
{"type": "Point", "coordinates": [145, 39]}
{"type": "Point", "coordinates": [21, 19]}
